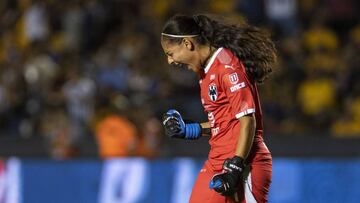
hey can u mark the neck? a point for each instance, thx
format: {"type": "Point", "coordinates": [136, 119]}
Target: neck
{"type": "Point", "coordinates": [206, 54]}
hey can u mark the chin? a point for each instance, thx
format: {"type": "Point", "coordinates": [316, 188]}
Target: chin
{"type": "Point", "coordinates": [195, 70]}
{"type": "Point", "coordinates": [192, 68]}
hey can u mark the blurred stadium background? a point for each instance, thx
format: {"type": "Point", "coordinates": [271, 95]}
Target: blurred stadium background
{"type": "Point", "coordinates": [83, 85]}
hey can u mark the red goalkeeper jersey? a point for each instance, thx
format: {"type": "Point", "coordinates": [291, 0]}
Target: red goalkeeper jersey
{"type": "Point", "coordinates": [228, 94]}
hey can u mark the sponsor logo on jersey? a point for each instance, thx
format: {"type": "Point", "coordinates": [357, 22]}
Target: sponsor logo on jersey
{"type": "Point", "coordinates": [233, 78]}
{"type": "Point", "coordinates": [213, 92]}
{"type": "Point", "coordinates": [211, 119]}
{"type": "Point", "coordinates": [237, 87]}
{"type": "Point", "coordinates": [215, 131]}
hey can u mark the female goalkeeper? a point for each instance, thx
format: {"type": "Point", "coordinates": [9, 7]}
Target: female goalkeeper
{"type": "Point", "coordinates": [230, 61]}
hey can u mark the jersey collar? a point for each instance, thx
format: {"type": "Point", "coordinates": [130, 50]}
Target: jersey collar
{"type": "Point", "coordinates": [211, 61]}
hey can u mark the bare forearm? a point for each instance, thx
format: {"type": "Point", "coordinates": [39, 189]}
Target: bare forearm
{"type": "Point", "coordinates": [246, 135]}
{"type": "Point", "coordinates": [206, 130]}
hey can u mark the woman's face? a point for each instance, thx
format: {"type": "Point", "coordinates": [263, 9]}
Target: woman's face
{"type": "Point", "coordinates": [183, 54]}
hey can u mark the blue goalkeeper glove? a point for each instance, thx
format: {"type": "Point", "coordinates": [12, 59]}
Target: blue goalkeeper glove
{"type": "Point", "coordinates": [176, 127]}
{"type": "Point", "coordinates": [228, 182]}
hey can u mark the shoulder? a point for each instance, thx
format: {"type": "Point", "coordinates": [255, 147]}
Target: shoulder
{"type": "Point", "coordinates": [228, 63]}
{"type": "Point", "coordinates": [225, 56]}
{"type": "Point", "coordinates": [230, 70]}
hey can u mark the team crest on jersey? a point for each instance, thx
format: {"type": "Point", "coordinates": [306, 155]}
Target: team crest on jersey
{"type": "Point", "coordinates": [234, 78]}
{"type": "Point", "coordinates": [213, 92]}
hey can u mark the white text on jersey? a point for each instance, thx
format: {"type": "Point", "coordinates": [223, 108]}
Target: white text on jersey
{"type": "Point", "coordinates": [237, 86]}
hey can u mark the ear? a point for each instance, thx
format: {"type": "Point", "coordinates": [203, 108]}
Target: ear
{"type": "Point", "coordinates": [188, 44]}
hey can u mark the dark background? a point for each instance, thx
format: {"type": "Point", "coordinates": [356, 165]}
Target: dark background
{"type": "Point", "coordinates": [64, 63]}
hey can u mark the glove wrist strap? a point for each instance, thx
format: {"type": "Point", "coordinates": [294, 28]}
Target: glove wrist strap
{"type": "Point", "coordinates": [192, 131]}
{"type": "Point", "coordinates": [238, 161]}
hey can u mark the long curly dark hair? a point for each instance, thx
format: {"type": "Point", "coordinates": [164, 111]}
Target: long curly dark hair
{"type": "Point", "coordinates": [251, 45]}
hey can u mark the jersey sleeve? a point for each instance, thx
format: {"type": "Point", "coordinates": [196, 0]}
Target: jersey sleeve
{"type": "Point", "coordinates": [238, 91]}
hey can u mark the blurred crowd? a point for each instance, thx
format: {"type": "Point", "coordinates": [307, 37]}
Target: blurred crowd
{"type": "Point", "coordinates": [80, 68]}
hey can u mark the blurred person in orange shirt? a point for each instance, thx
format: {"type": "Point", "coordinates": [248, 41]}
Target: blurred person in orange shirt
{"type": "Point", "coordinates": [115, 134]}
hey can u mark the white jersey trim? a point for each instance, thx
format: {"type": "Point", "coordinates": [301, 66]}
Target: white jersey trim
{"type": "Point", "coordinates": [243, 113]}
{"type": "Point", "coordinates": [211, 61]}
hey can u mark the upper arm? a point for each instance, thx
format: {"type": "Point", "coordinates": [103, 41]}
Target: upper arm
{"type": "Point", "coordinates": [248, 120]}
{"type": "Point", "coordinates": [238, 91]}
